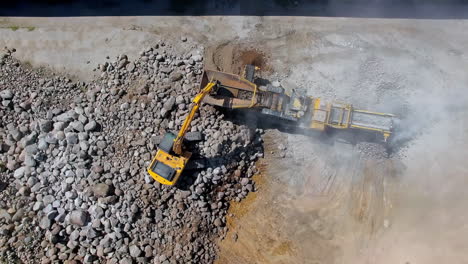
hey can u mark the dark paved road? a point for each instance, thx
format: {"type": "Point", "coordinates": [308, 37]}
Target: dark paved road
{"type": "Point", "coordinates": [434, 9]}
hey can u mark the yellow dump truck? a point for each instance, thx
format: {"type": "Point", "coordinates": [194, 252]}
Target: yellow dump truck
{"type": "Point", "coordinates": [308, 112]}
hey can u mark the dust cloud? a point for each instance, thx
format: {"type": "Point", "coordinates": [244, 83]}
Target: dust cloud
{"type": "Point", "coordinates": [356, 198]}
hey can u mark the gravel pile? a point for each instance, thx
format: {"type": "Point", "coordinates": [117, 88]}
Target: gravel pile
{"type": "Point", "coordinates": [73, 158]}
{"type": "Point", "coordinates": [374, 151]}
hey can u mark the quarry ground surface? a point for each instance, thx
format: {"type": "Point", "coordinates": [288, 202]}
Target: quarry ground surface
{"type": "Point", "coordinates": [326, 200]}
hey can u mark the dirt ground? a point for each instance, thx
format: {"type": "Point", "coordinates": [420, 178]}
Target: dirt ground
{"type": "Point", "coordinates": [326, 201]}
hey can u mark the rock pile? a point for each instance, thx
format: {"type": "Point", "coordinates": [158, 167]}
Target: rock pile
{"type": "Point", "coordinates": [73, 158]}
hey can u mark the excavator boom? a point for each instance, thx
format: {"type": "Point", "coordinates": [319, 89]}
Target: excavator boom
{"type": "Point", "coordinates": [197, 101]}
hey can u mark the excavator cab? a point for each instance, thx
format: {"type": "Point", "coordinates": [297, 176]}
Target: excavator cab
{"type": "Point", "coordinates": [166, 167]}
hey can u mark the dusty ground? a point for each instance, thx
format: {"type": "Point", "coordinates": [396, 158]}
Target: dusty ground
{"type": "Point", "coordinates": [324, 202]}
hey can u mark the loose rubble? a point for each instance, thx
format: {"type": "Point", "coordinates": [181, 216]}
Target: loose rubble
{"type": "Point", "coordinates": [73, 158]}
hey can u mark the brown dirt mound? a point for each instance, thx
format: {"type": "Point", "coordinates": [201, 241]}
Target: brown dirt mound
{"type": "Point", "coordinates": [232, 58]}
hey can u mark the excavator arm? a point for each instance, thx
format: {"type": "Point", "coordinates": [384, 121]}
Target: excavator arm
{"type": "Point", "coordinates": [177, 148]}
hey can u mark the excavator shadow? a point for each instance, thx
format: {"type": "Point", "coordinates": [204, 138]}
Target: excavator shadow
{"type": "Point", "coordinates": [197, 163]}
{"type": "Point", "coordinates": [255, 119]}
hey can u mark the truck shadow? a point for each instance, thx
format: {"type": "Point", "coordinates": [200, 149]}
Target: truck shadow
{"type": "Point", "coordinates": [229, 160]}
{"type": "Point", "coordinates": [255, 119]}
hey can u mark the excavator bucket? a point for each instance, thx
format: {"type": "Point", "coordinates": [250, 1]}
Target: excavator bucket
{"type": "Point", "coordinates": [233, 91]}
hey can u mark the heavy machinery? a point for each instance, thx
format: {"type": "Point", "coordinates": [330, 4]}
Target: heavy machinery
{"type": "Point", "coordinates": [171, 158]}
{"type": "Point", "coordinates": [233, 91]}
{"type": "Point", "coordinates": [303, 111]}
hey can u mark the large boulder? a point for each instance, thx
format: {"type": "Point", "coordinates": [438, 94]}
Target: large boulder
{"type": "Point", "coordinates": [79, 218]}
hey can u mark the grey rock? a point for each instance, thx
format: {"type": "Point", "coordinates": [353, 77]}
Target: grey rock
{"type": "Point", "coordinates": [12, 165]}
{"type": "Point", "coordinates": [6, 103]}
{"type": "Point", "coordinates": [42, 144]}
{"type": "Point", "coordinates": [198, 190]}
{"type": "Point", "coordinates": [32, 181]}
{"type": "Point", "coordinates": [176, 76]}
{"type": "Point", "coordinates": [79, 218]}
{"type": "Point", "coordinates": [130, 67]}
{"type": "Point", "coordinates": [29, 161]}
{"type": "Point", "coordinates": [143, 88]}
{"type": "Point", "coordinates": [19, 172]}
{"type": "Point", "coordinates": [45, 223]}
{"type": "Point", "coordinates": [162, 258]}
{"type": "Point", "coordinates": [75, 235]}
{"type": "Point", "coordinates": [24, 191]}
{"type": "Point", "coordinates": [180, 99]}
{"type": "Point", "coordinates": [5, 215]}
{"type": "Point", "coordinates": [77, 126]}
{"type": "Point", "coordinates": [6, 94]}
{"type": "Point", "coordinates": [48, 199]}
{"type": "Point", "coordinates": [123, 57]}
{"type": "Point", "coordinates": [102, 190]}
{"type": "Point", "coordinates": [60, 126]}
{"type": "Point", "coordinates": [72, 245]}
{"type": "Point", "coordinates": [122, 64]}
{"type": "Point", "coordinates": [245, 181]}
{"type": "Point", "coordinates": [197, 58]}
{"type": "Point", "coordinates": [51, 139]}
{"type": "Point", "coordinates": [72, 138]}
{"type": "Point", "coordinates": [160, 57]}
{"type": "Point", "coordinates": [218, 222]}
{"type": "Point", "coordinates": [83, 119]}
{"type": "Point", "coordinates": [101, 144]}
{"type": "Point", "coordinates": [31, 149]}
{"type": "Point", "coordinates": [29, 139]}
{"type": "Point", "coordinates": [89, 258]}
{"type": "Point", "coordinates": [46, 126]}
{"type": "Point", "coordinates": [60, 135]}
{"type": "Point", "coordinates": [124, 106]}
{"type": "Point", "coordinates": [38, 206]}
{"type": "Point", "coordinates": [65, 117]}
{"type": "Point", "coordinates": [165, 70]}
{"type": "Point", "coordinates": [126, 261]}
{"type": "Point", "coordinates": [91, 233]}
{"type": "Point", "coordinates": [158, 215]}
{"type": "Point", "coordinates": [169, 104]}
{"type": "Point", "coordinates": [90, 126]}
{"type": "Point", "coordinates": [16, 134]}
{"type": "Point", "coordinates": [135, 251]}
{"type": "Point", "coordinates": [163, 112]}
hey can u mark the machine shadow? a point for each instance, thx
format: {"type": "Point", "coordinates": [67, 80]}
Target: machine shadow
{"type": "Point", "coordinates": [197, 162]}
{"type": "Point", "coordinates": [255, 119]}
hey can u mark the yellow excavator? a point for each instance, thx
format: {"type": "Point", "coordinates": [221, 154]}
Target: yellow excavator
{"type": "Point", "coordinates": [171, 159]}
